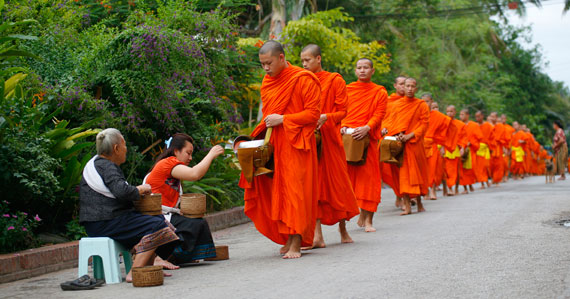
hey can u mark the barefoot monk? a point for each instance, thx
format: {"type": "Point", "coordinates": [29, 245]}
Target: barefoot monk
{"type": "Point", "coordinates": [408, 121]}
{"type": "Point", "coordinates": [337, 202]}
{"type": "Point", "coordinates": [283, 206]}
{"type": "Point", "coordinates": [365, 111]}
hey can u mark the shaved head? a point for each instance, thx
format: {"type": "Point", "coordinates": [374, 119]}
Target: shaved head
{"type": "Point", "coordinates": [479, 116]}
{"type": "Point", "coordinates": [450, 111]}
{"type": "Point", "coordinates": [400, 78]}
{"type": "Point", "coordinates": [434, 106]}
{"type": "Point", "coordinates": [272, 48]}
{"type": "Point", "coordinates": [410, 87]}
{"type": "Point", "coordinates": [312, 49]}
{"type": "Point", "coordinates": [464, 115]}
{"type": "Point", "coordinates": [367, 60]}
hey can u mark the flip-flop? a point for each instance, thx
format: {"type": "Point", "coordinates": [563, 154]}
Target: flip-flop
{"type": "Point", "coordinates": [82, 283]}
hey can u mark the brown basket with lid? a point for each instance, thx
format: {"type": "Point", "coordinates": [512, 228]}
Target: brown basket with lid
{"type": "Point", "coordinates": [150, 204]}
{"type": "Point", "coordinates": [222, 253]}
{"type": "Point", "coordinates": [193, 205]}
{"type": "Point", "coordinates": [148, 276]}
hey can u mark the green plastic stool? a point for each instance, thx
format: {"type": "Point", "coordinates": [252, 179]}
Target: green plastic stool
{"type": "Point", "coordinates": [105, 253]}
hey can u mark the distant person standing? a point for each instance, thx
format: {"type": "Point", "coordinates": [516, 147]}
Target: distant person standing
{"type": "Point", "coordinates": [560, 149]}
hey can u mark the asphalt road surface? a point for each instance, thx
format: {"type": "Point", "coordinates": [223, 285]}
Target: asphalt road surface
{"type": "Point", "coordinates": [502, 242]}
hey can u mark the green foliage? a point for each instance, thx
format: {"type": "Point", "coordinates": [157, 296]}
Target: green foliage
{"type": "Point", "coordinates": [340, 47]}
{"type": "Point", "coordinates": [16, 229]}
{"type": "Point", "coordinates": [74, 230]}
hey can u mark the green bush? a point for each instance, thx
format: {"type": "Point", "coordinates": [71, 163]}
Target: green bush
{"type": "Point", "coordinates": [16, 229]}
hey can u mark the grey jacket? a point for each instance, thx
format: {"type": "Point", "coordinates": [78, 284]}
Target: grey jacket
{"type": "Point", "coordinates": [94, 206]}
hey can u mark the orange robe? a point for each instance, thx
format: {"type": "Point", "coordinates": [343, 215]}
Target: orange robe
{"type": "Point", "coordinates": [409, 115]}
{"type": "Point", "coordinates": [286, 202]}
{"type": "Point", "coordinates": [436, 134]}
{"type": "Point", "coordinates": [517, 167]}
{"type": "Point", "coordinates": [389, 175]}
{"type": "Point", "coordinates": [482, 170]}
{"type": "Point", "coordinates": [497, 161]}
{"type": "Point", "coordinates": [366, 106]}
{"type": "Point", "coordinates": [509, 131]}
{"type": "Point", "coordinates": [336, 197]}
{"type": "Point", "coordinates": [474, 137]}
{"type": "Point", "coordinates": [452, 161]}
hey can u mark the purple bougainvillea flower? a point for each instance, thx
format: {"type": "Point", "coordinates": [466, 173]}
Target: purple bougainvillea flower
{"type": "Point", "coordinates": [10, 228]}
{"type": "Point", "coordinates": [6, 215]}
{"type": "Point", "coordinates": [24, 229]}
{"type": "Point", "coordinates": [37, 218]}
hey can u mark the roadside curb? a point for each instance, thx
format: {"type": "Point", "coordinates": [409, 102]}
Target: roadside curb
{"type": "Point", "coordinates": [38, 261]}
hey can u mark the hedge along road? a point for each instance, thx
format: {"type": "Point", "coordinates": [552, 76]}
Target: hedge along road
{"type": "Point", "coordinates": [499, 242]}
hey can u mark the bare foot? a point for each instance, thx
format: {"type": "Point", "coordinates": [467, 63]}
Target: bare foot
{"type": "Point", "coordinates": [405, 213]}
{"type": "Point", "coordinates": [369, 229]}
{"type": "Point", "coordinates": [482, 186]}
{"type": "Point", "coordinates": [360, 221]}
{"type": "Point", "coordinates": [398, 202]}
{"type": "Point", "coordinates": [471, 188]}
{"type": "Point", "coordinates": [319, 244]}
{"type": "Point", "coordinates": [129, 278]}
{"type": "Point", "coordinates": [407, 207]}
{"type": "Point", "coordinates": [167, 274]}
{"type": "Point", "coordinates": [344, 236]}
{"type": "Point", "coordinates": [285, 248]}
{"type": "Point", "coordinates": [465, 192]}
{"type": "Point", "coordinates": [294, 248]}
{"type": "Point", "coordinates": [165, 264]}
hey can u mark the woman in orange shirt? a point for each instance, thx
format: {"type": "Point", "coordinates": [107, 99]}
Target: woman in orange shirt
{"type": "Point", "coordinates": [166, 178]}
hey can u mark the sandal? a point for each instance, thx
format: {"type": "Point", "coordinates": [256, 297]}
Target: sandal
{"type": "Point", "coordinates": [82, 283]}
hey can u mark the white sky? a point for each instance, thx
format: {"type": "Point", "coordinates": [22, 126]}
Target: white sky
{"type": "Point", "coordinates": [551, 30]}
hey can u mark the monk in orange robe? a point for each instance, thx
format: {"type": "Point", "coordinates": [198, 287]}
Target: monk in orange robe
{"type": "Point", "coordinates": [440, 166]}
{"type": "Point", "coordinates": [498, 149]}
{"type": "Point", "coordinates": [408, 121]}
{"type": "Point", "coordinates": [390, 175]}
{"type": "Point", "coordinates": [474, 136]}
{"type": "Point", "coordinates": [337, 202]}
{"type": "Point", "coordinates": [509, 131]}
{"type": "Point", "coordinates": [283, 206]}
{"type": "Point", "coordinates": [453, 158]}
{"type": "Point", "coordinates": [482, 167]}
{"type": "Point", "coordinates": [436, 134]}
{"type": "Point", "coordinates": [365, 110]}
{"type": "Point", "coordinates": [518, 141]}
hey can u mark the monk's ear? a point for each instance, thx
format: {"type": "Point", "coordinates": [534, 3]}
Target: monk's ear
{"type": "Point", "coordinates": [373, 71]}
{"type": "Point", "coordinates": [281, 57]}
{"type": "Point", "coordinates": [319, 58]}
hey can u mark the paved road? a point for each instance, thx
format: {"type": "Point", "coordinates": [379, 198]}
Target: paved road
{"type": "Point", "coordinates": [496, 243]}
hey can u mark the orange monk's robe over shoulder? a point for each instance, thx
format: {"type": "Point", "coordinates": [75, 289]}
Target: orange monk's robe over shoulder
{"type": "Point", "coordinates": [413, 116]}
{"type": "Point", "coordinates": [336, 197]}
{"type": "Point", "coordinates": [390, 175]}
{"type": "Point", "coordinates": [509, 132]}
{"type": "Point", "coordinates": [467, 175]}
{"type": "Point", "coordinates": [497, 161]}
{"type": "Point", "coordinates": [437, 134]}
{"type": "Point", "coordinates": [482, 167]}
{"type": "Point", "coordinates": [517, 152]}
{"type": "Point", "coordinates": [366, 106]}
{"type": "Point", "coordinates": [286, 203]}
{"type": "Point", "coordinates": [452, 157]}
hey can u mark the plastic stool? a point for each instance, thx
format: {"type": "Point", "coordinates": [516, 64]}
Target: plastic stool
{"type": "Point", "coordinates": [105, 254]}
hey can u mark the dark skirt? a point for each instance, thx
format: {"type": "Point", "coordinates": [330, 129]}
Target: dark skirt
{"type": "Point", "coordinates": [131, 229]}
{"type": "Point", "coordinates": [197, 242]}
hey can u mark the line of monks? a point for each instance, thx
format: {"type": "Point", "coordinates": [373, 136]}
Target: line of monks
{"type": "Point", "coordinates": [311, 187]}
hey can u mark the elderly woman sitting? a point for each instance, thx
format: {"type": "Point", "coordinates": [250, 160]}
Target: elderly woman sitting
{"type": "Point", "coordinates": [106, 205]}
{"type": "Point", "coordinates": [165, 178]}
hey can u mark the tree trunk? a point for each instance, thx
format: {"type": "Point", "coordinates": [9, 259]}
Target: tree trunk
{"type": "Point", "coordinates": [278, 19]}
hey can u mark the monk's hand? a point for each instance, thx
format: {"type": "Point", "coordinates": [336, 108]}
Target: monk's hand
{"type": "Point", "coordinates": [144, 189]}
{"type": "Point", "coordinates": [360, 132]}
{"type": "Point", "coordinates": [461, 151]}
{"type": "Point", "coordinates": [343, 130]}
{"type": "Point", "coordinates": [405, 137]}
{"type": "Point", "coordinates": [322, 120]}
{"type": "Point", "coordinates": [273, 120]}
{"type": "Point", "coordinates": [442, 151]}
{"type": "Point", "coordinates": [384, 131]}
{"type": "Point", "coordinates": [216, 151]}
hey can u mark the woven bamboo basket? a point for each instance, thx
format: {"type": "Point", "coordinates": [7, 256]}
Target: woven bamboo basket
{"type": "Point", "coordinates": [193, 205]}
{"type": "Point", "coordinates": [222, 253]}
{"type": "Point", "coordinates": [150, 204]}
{"type": "Point", "coordinates": [148, 276]}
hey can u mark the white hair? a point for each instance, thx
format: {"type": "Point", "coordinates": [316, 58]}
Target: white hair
{"type": "Point", "coordinates": [106, 139]}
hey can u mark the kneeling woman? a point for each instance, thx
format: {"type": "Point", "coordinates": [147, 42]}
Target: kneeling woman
{"type": "Point", "coordinates": [106, 205]}
{"type": "Point", "coordinates": [166, 178]}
